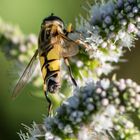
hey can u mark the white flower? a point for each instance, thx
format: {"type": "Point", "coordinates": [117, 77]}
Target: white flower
{"type": "Point", "coordinates": [99, 90]}
{"type": "Point", "coordinates": [68, 129]}
{"type": "Point", "coordinates": [49, 136]}
{"type": "Point", "coordinates": [83, 134]}
{"type": "Point", "coordinates": [79, 63]}
{"type": "Point", "coordinates": [137, 89]}
{"type": "Point", "coordinates": [23, 48]}
{"type": "Point", "coordinates": [129, 82]}
{"type": "Point", "coordinates": [90, 107]}
{"type": "Point", "coordinates": [105, 102]}
{"type": "Point", "coordinates": [138, 97]}
{"type": "Point", "coordinates": [102, 123]}
{"type": "Point", "coordinates": [73, 102]}
{"type": "Point", "coordinates": [129, 124]}
{"type": "Point", "coordinates": [105, 83]}
{"type": "Point", "coordinates": [122, 109]}
{"type": "Point", "coordinates": [112, 47]}
{"type": "Point", "coordinates": [104, 44]}
{"type": "Point", "coordinates": [32, 38]}
{"type": "Point", "coordinates": [110, 110]}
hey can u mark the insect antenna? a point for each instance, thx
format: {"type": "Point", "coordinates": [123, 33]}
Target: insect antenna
{"type": "Point", "coordinates": [52, 14]}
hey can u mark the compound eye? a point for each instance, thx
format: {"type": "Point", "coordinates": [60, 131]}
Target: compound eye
{"type": "Point", "coordinates": [49, 26]}
{"type": "Point", "coordinates": [60, 25]}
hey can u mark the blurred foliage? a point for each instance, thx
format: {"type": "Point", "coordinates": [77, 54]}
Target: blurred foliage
{"type": "Point", "coordinates": [29, 14]}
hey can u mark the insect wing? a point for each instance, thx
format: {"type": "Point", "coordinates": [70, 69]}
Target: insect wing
{"type": "Point", "coordinates": [25, 76]}
{"type": "Point", "coordinates": [70, 47]}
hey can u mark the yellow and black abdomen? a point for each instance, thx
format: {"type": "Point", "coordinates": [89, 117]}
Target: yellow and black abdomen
{"type": "Point", "coordinates": [50, 67]}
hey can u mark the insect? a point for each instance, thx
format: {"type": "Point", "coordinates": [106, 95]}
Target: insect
{"type": "Point", "coordinates": [54, 44]}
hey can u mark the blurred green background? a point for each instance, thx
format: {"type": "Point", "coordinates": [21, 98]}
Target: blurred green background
{"type": "Point", "coordinates": [28, 14]}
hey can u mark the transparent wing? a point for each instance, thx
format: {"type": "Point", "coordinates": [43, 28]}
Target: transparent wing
{"type": "Point", "coordinates": [25, 76]}
{"type": "Point", "coordinates": [70, 47]}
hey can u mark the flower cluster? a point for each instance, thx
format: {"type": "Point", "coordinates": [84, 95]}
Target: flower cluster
{"type": "Point", "coordinates": [98, 108]}
{"type": "Point", "coordinates": [125, 129]}
{"type": "Point", "coordinates": [15, 44]}
{"type": "Point", "coordinates": [98, 103]}
{"type": "Point", "coordinates": [37, 131]}
{"type": "Point", "coordinates": [18, 47]}
{"type": "Point", "coordinates": [109, 29]}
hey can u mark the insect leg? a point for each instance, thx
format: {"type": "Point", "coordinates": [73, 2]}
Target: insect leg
{"type": "Point", "coordinates": [48, 100]}
{"type": "Point", "coordinates": [82, 44]}
{"type": "Point", "coordinates": [50, 104]}
{"type": "Point", "coordinates": [78, 41]}
{"type": "Point", "coordinates": [70, 71]}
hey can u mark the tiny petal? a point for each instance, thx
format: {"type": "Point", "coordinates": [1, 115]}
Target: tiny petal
{"type": "Point", "coordinates": [137, 89]}
{"type": "Point", "coordinates": [138, 97]}
{"type": "Point", "coordinates": [131, 28]}
{"type": "Point", "coordinates": [122, 109]}
{"type": "Point", "coordinates": [111, 110]}
{"type": "Point", "coordinates": [129, 124]}
{"type": "Point", "coordinates": [138, 19]}
{"type": "Point", "coordinates": [120, 3]}
{"type": "Point", "coordinates": [104, 45]}
{"type": "Point", "coordinates": [79, 64]}
{"type": "Point", "coordinates": [108, 20]}
{"type": "Point", "coordinates": [112, 47]}
{"type": "Point", "coordinates": [73, 102]}
{"type": "Point", "coordinates": [67, 129]}
{"type": "Point", "coordinates": [98, 90]}
{"type": "Point", "coordinates": [135, 10]}
{"type": "Point", "coordinates": [105, 83]}
{"type": "Point", "coordinates": [23, 48]}
{"type": "Point", "coordinates": [105, 102]}
{"type": "Point", "coordinates": [90, 107]}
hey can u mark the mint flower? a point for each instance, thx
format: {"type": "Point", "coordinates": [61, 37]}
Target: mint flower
{"type": "Point", "coordinates": [15, 44]}
{"type": "Point", "coordinates": [98, 103]}
{"type": "Point", "coordinates": [99, 108]}
{"type": "Point", "coordinates": [110, 28]}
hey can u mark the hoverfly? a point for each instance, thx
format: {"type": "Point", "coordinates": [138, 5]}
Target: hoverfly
{"type": "Point", "coordinates": [53, 44]}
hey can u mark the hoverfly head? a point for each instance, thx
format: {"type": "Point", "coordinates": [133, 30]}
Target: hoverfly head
{"type": "Point", "coordinates": [53, 24]}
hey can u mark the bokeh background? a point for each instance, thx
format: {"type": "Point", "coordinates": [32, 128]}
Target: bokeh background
{"type": "Point", "coordinates": [28, 15]}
